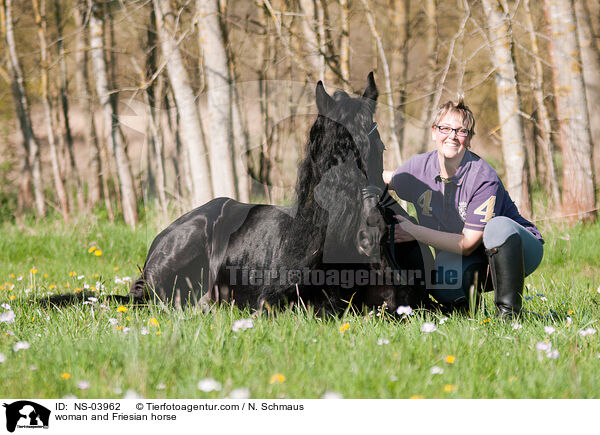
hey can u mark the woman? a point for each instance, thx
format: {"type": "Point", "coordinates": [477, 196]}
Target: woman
{"type": "Point", "coordinates": [466, 214]}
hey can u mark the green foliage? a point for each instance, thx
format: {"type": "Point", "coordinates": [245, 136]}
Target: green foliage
{"type": "Point", "coordinates": [375, 356]}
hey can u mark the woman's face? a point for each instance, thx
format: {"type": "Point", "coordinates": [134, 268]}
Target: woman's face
{"type": "Point", "coordinates": [451, 145]}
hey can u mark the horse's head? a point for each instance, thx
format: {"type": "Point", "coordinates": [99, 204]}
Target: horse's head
{"type": "Point", "coordinates": [354, 155]}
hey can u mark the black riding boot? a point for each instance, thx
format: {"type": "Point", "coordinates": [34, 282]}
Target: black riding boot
{"type": "Point", "coordinates": [508, 275]}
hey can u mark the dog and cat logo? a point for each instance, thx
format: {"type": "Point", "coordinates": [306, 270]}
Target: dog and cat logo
{"type": "Point", "coordinates": [26, 414]}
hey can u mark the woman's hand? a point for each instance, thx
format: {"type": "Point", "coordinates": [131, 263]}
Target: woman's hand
{"type": "Point", "coordinates": [403, 229]}
{"type": "Point", "coordinates": [387, 176]}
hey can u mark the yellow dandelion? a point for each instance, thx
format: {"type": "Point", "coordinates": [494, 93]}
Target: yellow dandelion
{"type": "Point", "coordinates": [122, 309]}
{"type": "Point", "coordinates": [33, 318]}
{"type": "Point", "coordinates": [417, 396]}
{"type": "Point", "coordinates": [12, 275]}
{"type": "Point", "coordinates": [45, 275]}
{"type": "Point", "coordinates": [116, 268]}
{"type": "Point", "coordinates": [96, 275]}
{"type": "Point", "coordinates": [450, 359]}
{"type": "Point", "coordinates": [570, 312]}
{"type": "Point", "coordinates": [66, 376]}
{"type": "Point", "coordinates": [72, 273]}
{"type": "Point", "coordinates": [33, 270]}
{"type": "Point", "coordinates": [78, 290]}
{"type": "Point", "coordinates": [97, 252]}
{"type": "Point", "coordinates": [277, 378]}
{"type": "Point", "coordinates": [12, 297]}
{"type": "Point", "coordinates": [152, 321]}
{"type": "Point", "coordinates": [344, 327]}
{"type": "Point", "coordinates": [158, 333]}
{"type": "Point", "coordinates": [512, 379]}
{"type": "Point", "coordinates": [92, 249]}
{"type": "Point", "coordinates": [450, 388]}
{"type": "Point", "coordinates": [119, 328]}
{"type": "Point", "coordinates": [127, 318]}
{"type": "Point", "coordinates": [52, 287]}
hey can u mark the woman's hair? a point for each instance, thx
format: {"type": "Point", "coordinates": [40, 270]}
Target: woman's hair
{"type": "Point", "coordinates": [461, 109]}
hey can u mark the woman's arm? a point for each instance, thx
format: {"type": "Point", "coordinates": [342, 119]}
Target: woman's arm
{"type": "Point", "coordinates": [463, 244]}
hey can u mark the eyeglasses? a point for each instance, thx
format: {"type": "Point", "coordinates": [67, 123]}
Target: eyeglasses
{"type": "Point", "coordinates": [462, 132]}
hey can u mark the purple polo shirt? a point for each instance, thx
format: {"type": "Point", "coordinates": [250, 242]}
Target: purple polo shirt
{"type": "Point", "coordinates": [473, 196]}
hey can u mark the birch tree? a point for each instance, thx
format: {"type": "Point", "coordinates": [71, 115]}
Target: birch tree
{"type": "Point", "coordinates": [590, 59]}
{"type": "Point", "coordinates": [578, 193]}
{"type": "Point", "coordinates": [191, 132]}
{"type": "Point", "coordinates": [431, 44]}
{"type": "Point", "coordinates": [219, 98]}
{"type": "Point", "coordinates": [389, 110]}
{"type": "Point", "coordinates": [345, 43]}
{"type": "Point", "coordinates": [94, 171]}
{"type": "Point", "coordinates": [45, 61]}
{"type": "Point", "coordinates": [111, 126]}
{"type": "Point", "coordinates": [509, 102]}
{"type": "Point", "coordinates": [73, 177]}
{"type": "Point", "coordinates": [544, 138]}
{"type": "Point", "coordinates": [312, 44]}
{"type": "Point", "coordinates": [31, 165]}
{"type": "Point", "coordinates": [401, 32]}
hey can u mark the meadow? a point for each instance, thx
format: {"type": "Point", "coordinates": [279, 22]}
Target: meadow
{"type": "Point", "coordinates": [104, 350]}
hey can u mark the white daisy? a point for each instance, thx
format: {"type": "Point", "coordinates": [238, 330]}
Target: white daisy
{"type": "Point", "coordinates": [404, 310]}
{"type": "Point", "coordinates": [242, 325]}
{"type": "Point", "coordinates": [587, 331]}
{"type": "Point", "coordinates": [240, 393]}
{"type": "Point", "coordinates": [331, 395]}
{"type": "Point", "coordinates": [435, 370]}
{"type": "Point", "coordinates": [209, 384]}
{"type": "Point", "coordinates": [8, 317]}
{"type": "Point", "coordinates": [21, 345]}
{"type": "Point", "coordinates": [428, 327]}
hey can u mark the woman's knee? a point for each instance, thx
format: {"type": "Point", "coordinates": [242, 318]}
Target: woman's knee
{"type": "Point", "coordinates": [497, 230]}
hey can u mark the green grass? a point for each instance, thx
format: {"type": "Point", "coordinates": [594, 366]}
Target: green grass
{"type": "Point", "coordinates": [491, 359]}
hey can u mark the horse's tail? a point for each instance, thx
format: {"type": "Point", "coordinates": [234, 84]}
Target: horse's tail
{"type": "Point", "coordinates": [139, 290]}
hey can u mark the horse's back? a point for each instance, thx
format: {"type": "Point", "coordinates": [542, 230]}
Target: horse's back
{"type": "Point", "coordinates": [185, 258]}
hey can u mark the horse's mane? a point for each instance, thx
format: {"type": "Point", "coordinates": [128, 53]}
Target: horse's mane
{"type": "Point", "coordinates": [333, 166]}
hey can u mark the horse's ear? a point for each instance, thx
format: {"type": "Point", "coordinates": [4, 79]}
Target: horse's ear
{"type": "Point", "coordinates": [324, 101]}
{"type": "Point", "coordinates": [371, 91]}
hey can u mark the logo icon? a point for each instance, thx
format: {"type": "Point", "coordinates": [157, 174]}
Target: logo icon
{"type": "Point", "coordinates": [26, 414]}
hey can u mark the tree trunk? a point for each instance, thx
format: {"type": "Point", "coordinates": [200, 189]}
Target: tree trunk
{"type": "Point", "coordinates": [111, 126]}
{"type": "Point", "coordinates": [311, 38]}
{"type": "Point", "coordinates": [92, 144]}
{"type": "Point", "coordinates": [571, 106]}
{"type": "Point", "coordinates": [186, 104]}
{"type": "Point", "coordinates": [401, 32]}
{"type": "Point", "coordinates": [30, 143]}
{"type": "Point", "coordinates": [219, 101]}
{"type": "Point", "coordinates": [345, 43]}
{"type": "Point", "coordinates": [591, 66]}
{"type": "Point", "coordinates": [544, 138]}
{"type": "Point", "coordinates": [431, 43]}
{"type": "Point", "coordinates": [153, 98]}
{"type": "Point", "coordinates": [509, 103]}
{"type": "Point", "coordinates": [73, 177]}
{"type": "Point", "coordinates": [45, 61]}
{"type": "Point", "coordinates": [389, 110]}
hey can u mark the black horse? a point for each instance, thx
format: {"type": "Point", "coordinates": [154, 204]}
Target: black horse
{"type": "Point", "coordinates": [251, 254]}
